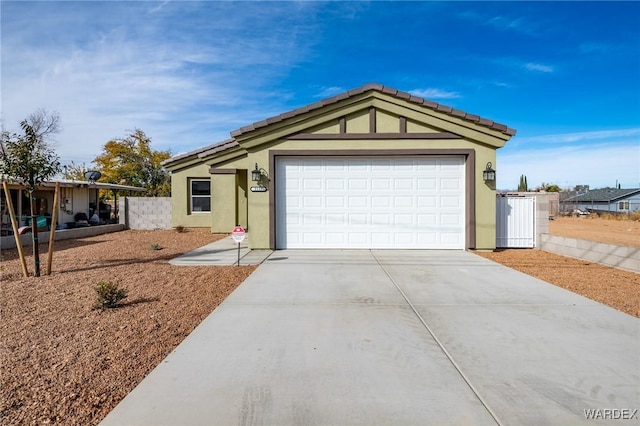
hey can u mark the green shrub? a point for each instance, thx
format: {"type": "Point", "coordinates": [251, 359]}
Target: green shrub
{"type": "Point", "coordinates": [109, 294]}
{"type": "Point", "coordinates": [155, 246]}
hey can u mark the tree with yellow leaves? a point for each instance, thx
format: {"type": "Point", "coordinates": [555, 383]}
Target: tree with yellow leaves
{"type": "Point", "coordinates": [131, 161]}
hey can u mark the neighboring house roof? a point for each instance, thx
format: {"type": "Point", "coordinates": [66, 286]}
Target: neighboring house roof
{"type": "Point", "coordinates": [69, 183]}
{"type": "Point", "coordinates": [604, 195]}
{"type": "Point", "coordinates": [231, 143]}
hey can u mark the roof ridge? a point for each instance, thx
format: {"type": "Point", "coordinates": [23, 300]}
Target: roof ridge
{"type": "Point", "coordinates": [382, 89]}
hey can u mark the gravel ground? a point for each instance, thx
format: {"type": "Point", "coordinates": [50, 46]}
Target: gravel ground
{"type": "Point", "coordinates": [63, 362]}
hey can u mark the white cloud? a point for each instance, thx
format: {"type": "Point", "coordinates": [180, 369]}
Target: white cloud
{"type": "Point", "coordinates": [326, 92]}
{"type": "Point", "coordinates": [114, 72]}
{"type": "Point", "coordinates": [433, 93]}
{"type": "Point", "coordinates": [564, 138]}
{"type": "Point", "coordinates": [538, 67]}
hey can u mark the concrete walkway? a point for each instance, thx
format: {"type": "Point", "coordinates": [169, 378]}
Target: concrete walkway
{"type": "Point", "coordinates": [395, 338]}
{"type": "Point", "coordinates": [222, 252]}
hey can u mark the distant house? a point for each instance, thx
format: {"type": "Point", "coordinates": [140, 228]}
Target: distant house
{"type": "Point", "coordinates": [76, 199]}
{"type": "Point", "coordinates": [608, 200]}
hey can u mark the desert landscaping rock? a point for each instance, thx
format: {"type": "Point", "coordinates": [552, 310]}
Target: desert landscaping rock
{"type": "Point", "coordinates": [63, 362]}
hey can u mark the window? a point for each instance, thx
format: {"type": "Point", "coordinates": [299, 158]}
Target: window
{"type": "Point", "coordinates": [200, 195]}
{"type": "Point", "coordinates": [623, 205]}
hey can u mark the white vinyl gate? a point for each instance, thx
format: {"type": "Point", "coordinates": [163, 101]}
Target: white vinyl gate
{"type": "Point", "coordinates": [515, 222]}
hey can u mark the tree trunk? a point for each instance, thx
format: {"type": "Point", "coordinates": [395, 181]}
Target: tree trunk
{"type": "Point", "coordinates": [52, 231]}
{"type": "Point", "coordinates": [34, 238]}
{"type": "Point", "coordinates": [14, 226]}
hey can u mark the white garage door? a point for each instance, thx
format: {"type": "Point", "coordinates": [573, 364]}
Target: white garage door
{"type": "Point", "coordinates": [370, 202]}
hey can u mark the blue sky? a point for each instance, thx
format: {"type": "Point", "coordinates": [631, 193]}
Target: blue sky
{"type": "Point", "coordinates": [565, 75]}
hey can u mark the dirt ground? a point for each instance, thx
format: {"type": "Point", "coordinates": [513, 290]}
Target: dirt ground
{"type": "Point", "coordinates": [63, 362]}
{"type": "Point", "coordinates": [619, 232]}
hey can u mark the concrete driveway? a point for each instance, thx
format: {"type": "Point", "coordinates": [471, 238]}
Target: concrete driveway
{"type": "Point", "coordinates": [396, 338]}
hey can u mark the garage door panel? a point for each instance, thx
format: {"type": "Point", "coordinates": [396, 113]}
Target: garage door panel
{"type": "Point", "coordinates": [427, 183]}
{"type": "Point", "coordinates": [312, 184]}
{"type": "Point", "coordinates": [403, 201]}
{"type": "Point", "coordinates": [358, 201]}
{"type": "Point", "coordinates": [335, 238]}
{"type": "Point", "coordinates": [358, 184]}
{"type": "Point", "coordinates": [449, 201]}
{"type": "Point", "coordinates": [358, 239]}
{"type": "Point", "coordinates": [403, 184]}
{"type": "Point", "coordinates": [380, 165]}
{"type": "Point", "coordinates": [335, 184]}
{"type": "Point", "coordinates": [358, 219]}
{"type": "Point", "coordinates": [378, 184]}
{"type": "Point", "coordinates": [447, 184]}
{"type": "Point", "coordinates": [426, 202]}
{"type": "Point", "coordinates": [380, 201]}
{"type": "Point", "coordinates": [356, 165]}
{"type": "Point", "coordinates": [311, 165]}
{"type": "Point", "coordinates": [370, 202]}
{"type": "Point", "coordinates": [450, 219]}
{"type": "Point", "coordinates": [335, 220]}
{"type": "Point", "coordinates": [380, 218]}
{"type": "Point", "coordinates": [312, 219]}
{"type": "Point", "coordinates": [427, 219]}
{"type": "Point", "coordinates": [336, 165]}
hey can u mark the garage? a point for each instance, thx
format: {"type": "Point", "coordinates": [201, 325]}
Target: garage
{"type": "Point", "coordinates": [369, 168]}
{"type": "Point", "coordinates": [404, 202]}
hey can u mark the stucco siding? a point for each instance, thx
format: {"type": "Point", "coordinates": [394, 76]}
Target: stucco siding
{"type": "Point", "coordinates": [358, 122]}
{"type": "Point", "coordinates": [180, 202]}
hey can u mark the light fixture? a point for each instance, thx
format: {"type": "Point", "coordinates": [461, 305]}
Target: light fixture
{"type": "Point", "coordinates": [92, 176]}
{"type": "Point", "coordinates": [256, 174]}
{"type": "Point", "coordinates": [489, 174]}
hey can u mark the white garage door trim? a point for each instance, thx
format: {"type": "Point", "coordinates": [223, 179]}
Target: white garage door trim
{"type": "Point", "coordinates": [370, 202]}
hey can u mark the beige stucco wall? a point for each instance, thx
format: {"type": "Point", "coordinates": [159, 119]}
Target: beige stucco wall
{"type": "Point", "coordinates": [181, 215]}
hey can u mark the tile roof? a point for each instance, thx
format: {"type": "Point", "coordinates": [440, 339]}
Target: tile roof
{"type": "Point", "coordinates": [189, 154]}
{"type": "Point", "coordinates": [604, 195]}
{"type": "Point", "coordinates": [382, 89]}
{"type": "Point", "coordinates": [230, 143]}
{"type": "Point", "coordinates": [219, 147]}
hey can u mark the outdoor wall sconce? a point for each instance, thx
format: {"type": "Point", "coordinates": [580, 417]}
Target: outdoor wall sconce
{"type": "Point", "coordinates": [489, 174]}
{"type": "Point", "coordinates": [256, 174]}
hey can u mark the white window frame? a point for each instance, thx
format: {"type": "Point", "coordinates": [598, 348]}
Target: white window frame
{"type": "Point", "coordinates": [192, 196]}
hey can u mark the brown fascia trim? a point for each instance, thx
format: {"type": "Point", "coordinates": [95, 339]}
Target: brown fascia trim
{"type": "Point", "coordinates": [403, 125]}
{"type": "Point", "coordinates": [214, 171]}
{"type": "Point", "coordinates": [470, 179]}
{"type": "Point", "coordinates": [357, 136]}
{"type": "Point", "coordinates": [372, 119]}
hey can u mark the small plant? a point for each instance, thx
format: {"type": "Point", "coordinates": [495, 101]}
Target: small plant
{"type": "Point", "coordinates": [109, 294]}
{"type": "Point", "coordinates": [179, 229]}
{"type": "Point", "coordinates": [155, 246]}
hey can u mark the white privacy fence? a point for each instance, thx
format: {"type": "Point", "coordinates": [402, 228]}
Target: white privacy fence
{"type": "Point", "coordinates": [515, 222]}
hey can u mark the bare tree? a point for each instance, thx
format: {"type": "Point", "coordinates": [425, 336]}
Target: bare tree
{"type": "Point", "coordinates": [45, 124]}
